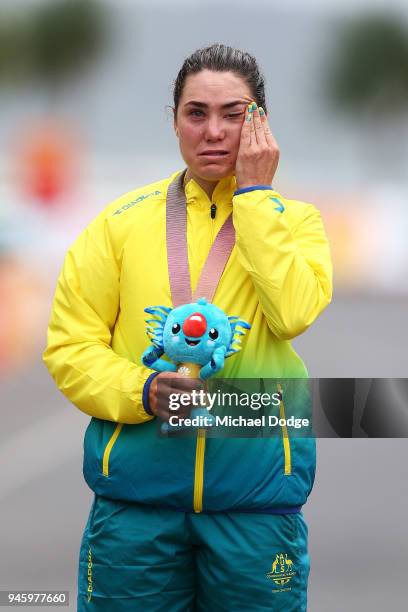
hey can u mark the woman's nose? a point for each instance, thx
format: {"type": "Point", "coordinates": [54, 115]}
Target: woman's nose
{"type": "Point", "coordinates": [214, 129]}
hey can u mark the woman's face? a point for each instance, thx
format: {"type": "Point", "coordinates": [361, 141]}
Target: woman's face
{"type": "Point", "coordinates": [209, 119]}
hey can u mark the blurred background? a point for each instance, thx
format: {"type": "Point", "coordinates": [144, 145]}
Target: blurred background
{"type": "Point", "coordinates": [85, 93]}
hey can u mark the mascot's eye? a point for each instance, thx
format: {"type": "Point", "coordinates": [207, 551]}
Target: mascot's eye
{"type": "Point", "coordinates": [176, 328]}
{"type": "Point", "coordinates": [213, 334]}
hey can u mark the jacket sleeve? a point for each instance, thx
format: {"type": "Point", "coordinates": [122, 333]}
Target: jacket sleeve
{"type": "Point", "coordinates": [78, 354]}
{"type": "Point", "coordinates": [289, 262]}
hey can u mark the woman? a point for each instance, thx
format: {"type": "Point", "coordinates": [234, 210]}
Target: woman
{"type": "Point", "coordinates": [192, 523]}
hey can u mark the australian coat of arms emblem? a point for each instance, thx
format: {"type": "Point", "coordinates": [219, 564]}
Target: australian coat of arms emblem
{"type": "Point", "coordinates": [282, 570]}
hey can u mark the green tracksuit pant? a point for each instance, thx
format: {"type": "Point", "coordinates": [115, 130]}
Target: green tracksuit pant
{"type": "Point", "coordinates": [135, 557]}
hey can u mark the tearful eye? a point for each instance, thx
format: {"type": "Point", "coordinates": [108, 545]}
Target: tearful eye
{"type": "Point", "coordinates": [176, 328]}
{"type": "Point", "coordinates": [213, 333]}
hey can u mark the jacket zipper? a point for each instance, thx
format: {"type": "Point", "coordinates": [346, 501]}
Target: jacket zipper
{"type": "Point", "coordinates": [213, 212]}
{"type": "Point", "coordinates": [199, 471]}
{"type": "Point", "coordinates": [200, 445]}
{"type": "Point", "coordinates": [108, 449]}
{"type": "Point", "coordinates": [285, 437]}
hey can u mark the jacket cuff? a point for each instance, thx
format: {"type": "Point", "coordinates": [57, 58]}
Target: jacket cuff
{"type": "Point", "coordinates": [252, 188]}
{"type": "Point", "coordinates": [145, 394]}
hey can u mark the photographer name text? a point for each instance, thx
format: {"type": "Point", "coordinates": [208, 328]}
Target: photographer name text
{"type": "Point", "coordinates": [238, 421]}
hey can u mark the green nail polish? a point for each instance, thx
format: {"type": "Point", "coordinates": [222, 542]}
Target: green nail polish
{"type": "Point", "coordinates": [261, 111]}
{"type": "Point", "coordinates": [249, 117]}
{"type": "Point", "coordinates": [250, 109]}
{"type": "Point", "coordinates": [253, 106]}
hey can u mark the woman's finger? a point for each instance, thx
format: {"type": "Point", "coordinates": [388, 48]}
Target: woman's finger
{"type": "Point", "coordinates": [267, 130]}
{"type": "Point", "coordinates": [252, 139]}
{"type": "Point", "coordinates": [259, 132]}
{"type": "Point", "coordinates": [246, 128]}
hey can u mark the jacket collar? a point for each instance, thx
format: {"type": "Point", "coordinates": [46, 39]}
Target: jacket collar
{"type": "Point", "coordinates": [222, 194]}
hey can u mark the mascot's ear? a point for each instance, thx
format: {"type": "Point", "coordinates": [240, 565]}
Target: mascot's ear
{"type": "Point", "coordinates": [234, 345]}
{"type": "Point", "coordinates": [155, 326]}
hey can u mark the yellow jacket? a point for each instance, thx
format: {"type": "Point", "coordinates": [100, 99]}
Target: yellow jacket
{"type": "Point", "coordinates": [278, 278]}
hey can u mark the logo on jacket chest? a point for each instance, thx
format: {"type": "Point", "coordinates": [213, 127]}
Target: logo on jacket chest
{"type": "Point", "coordinates": [134, 202]}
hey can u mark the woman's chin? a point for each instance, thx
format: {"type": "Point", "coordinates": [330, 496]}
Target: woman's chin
{"type": "Point", "coordinates": [215, 171]}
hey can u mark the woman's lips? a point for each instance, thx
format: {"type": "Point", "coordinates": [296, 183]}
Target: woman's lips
{"type": "Point", "coordinates": [214, 154]}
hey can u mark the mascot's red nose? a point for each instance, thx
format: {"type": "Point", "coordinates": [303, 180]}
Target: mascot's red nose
{"type": "Point", "coordinates": [195, 325]}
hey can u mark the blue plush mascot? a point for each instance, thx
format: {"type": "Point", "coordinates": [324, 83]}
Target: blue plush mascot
{"type": "Point", "coordinates": [196, 338]}
{"type": "Point", "coordinates": [198, 333]}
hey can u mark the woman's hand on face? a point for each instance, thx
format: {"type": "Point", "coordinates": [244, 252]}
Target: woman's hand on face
{"type": "Point", "coordinates": [258, 153]}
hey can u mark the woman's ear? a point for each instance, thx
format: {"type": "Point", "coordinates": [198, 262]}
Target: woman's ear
{"type": "Point", "coordinates": [175, 121]}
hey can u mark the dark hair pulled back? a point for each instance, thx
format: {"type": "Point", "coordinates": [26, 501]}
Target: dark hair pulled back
{"type": "Point", "coordinates": [222, 58]}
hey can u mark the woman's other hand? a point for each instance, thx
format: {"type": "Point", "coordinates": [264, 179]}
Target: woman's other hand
{"type": "Point", "coordinates": [258, 153]}
{"type": "Point", "coordinates": [168, 384]}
